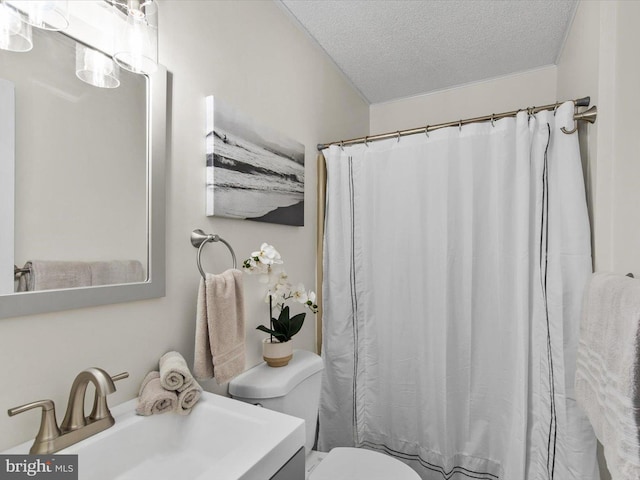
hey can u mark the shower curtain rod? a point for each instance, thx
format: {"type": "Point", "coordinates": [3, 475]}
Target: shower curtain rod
{"type": "Point", "coordinates": [588, 116]}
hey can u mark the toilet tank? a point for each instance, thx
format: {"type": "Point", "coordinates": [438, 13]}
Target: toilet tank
{"type": "Point", "coordinates": [293, 389]}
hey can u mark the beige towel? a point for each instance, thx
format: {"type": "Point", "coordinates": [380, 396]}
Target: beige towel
{"type": "Point", "coordinates": [174, 372]}
{"type": "Point", "coordinates": [54, 275]}
{"type": "Point", "coordinates": [153, 399]}
{"type": "Point", "coordinates": [608, 370]}
{"type": "Point", "coordinates": [219, 348]}
{"type": "Point", "coordinates": [188, 398]}
{"type": "Point", "coordinates": [116, 271]}
{"type": "Point", "coordinates": [50, 275]}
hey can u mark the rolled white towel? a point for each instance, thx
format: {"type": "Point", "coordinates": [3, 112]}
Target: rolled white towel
{"type": "Point", "coordinates": [153, 399]}
{"type": "Point", "coordinates": [188, 398]}
{"type": "Point", "coordinates": [174, 372]}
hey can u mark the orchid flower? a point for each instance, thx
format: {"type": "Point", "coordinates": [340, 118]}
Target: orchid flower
{"type": "Point", "coordinates": [300, 294]}
{"type": "Point", "coordinates": [267, 255]}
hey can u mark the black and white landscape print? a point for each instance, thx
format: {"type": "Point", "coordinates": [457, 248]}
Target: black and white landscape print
{"type": "Point", "coordinates": [252, 171]}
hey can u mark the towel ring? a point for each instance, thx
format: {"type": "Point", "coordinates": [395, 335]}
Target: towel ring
{"type": "Point", "coordinates": [199, 239]}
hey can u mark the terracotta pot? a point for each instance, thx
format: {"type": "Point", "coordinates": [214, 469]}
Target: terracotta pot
{"type": "Point", "coordinates": [277, 354]}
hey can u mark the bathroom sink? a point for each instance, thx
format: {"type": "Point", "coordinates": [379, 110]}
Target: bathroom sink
{"type": "Point", "coordinates": [222, 439]}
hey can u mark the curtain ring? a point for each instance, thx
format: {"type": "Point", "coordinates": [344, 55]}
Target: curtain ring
{"type": "Point", "coordinates": [575, 122]}
{"type": "Point", "coordinates": [555, 109]}
{"type": "Point", "coordinates": [366, 142]}
{"type": "Point", "coordinates": [426, 131]}
{"type": "Point", "coordinates": [492, 120]}
{"type": "Point", "coordinates": [398, 136]}
{"type": "Point", "coordinates": [342, 145]}
{"type": "Point", "coordinates": [569, 132]}
{"type": "Point", "coordinates": [460, 125]}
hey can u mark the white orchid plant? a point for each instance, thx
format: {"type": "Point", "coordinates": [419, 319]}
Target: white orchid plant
{"type": "Point", "coordinates": [266, 262]}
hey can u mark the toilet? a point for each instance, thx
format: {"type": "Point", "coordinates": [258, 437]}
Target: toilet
{"type": "Point", "coordinates": [295, 390]}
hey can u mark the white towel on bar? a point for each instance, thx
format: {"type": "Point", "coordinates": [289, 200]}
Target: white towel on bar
{"type": "Point", "coordinates": [219, 345]}
{"type": "Point", "coordinates": [608, 370]}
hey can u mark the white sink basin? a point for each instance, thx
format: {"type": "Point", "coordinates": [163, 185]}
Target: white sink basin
{"type": "Point", "coordinates": [222, 439]}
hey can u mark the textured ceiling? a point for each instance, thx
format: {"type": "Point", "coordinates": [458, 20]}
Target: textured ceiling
{"type": "Point", "coordinates": [391, 49]}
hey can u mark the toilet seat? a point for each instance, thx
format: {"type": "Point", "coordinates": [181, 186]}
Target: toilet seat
{"type": "Point", "coordinates": [361, 464]}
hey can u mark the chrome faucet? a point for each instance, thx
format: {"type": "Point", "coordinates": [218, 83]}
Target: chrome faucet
{"type": "Point", "coordinates": [75, 426]}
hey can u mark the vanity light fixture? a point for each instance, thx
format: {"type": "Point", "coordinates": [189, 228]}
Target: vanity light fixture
{"type": "Point", "coordinates": [136, 38]}
{"type": "Point", "coordinates": [96, 68]}
{"type": "Point", "coordinates": [15, 35]}
{"type": "Point", "coordinates": [48, 15]}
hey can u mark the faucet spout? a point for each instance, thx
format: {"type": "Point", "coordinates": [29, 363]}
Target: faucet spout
{"type": "Point", "coordinates": [74, 417]}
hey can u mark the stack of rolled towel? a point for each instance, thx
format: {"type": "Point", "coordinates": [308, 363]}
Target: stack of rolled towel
{"type": "Point", "coordinates": [173, 388]}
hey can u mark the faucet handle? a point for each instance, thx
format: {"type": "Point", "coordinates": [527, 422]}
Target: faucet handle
{"type": "Point", "coordinates": [120, 376]}
{"type": "Point", "coordinates": [48, 424]}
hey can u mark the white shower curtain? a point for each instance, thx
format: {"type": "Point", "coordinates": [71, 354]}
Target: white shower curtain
{"type": "Point", "coordinates": [454, 270]}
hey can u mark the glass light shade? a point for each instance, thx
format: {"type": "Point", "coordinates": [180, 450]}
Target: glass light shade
{"type": "Point", "coordinates": [15, 35]}
{"type": "Point", "coordinates": [95, 68]}
{"type": "Point", "coordinates": [136, 39]}
{"type": "Point", "coordinates": [48, 15]}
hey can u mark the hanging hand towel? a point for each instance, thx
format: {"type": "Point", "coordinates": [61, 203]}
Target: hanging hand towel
{"type": "Point", "coordinates": [174, 372]}
{"type": "Point", "coordinates": [608, 370]}
{"type": "Point", "coordinates": [188, 398]}
{"type": "Point", "coordinates": [219, 348]}
{"type": "Point", "coordinates": [153, 399]}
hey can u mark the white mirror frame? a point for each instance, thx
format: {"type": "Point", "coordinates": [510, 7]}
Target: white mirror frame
{"type": "Point", "coordinates": [29, 303]}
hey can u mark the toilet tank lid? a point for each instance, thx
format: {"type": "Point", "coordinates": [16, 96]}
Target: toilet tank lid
{"type": "Point", "coordinates": [263, 381]}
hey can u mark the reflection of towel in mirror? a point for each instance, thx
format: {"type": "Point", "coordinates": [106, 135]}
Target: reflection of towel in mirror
{"type": "Point", "coordinates": [219, 345]}
{"type": "Point", "coordinates": [188, 398]}
{"type": "Point", "coordinates": [174, 372]}
{"type": "Point", "coordinates": [153, 399]}
{"type": "Point", "coordinates": [116, 271]}
{"type": "Point", "coordinates": [607, 384]}
{"type": "Point", "coordinates": [53, 275]}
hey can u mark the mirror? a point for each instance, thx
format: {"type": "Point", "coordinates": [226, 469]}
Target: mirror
{"type": "Point", "coordinates": [81, 180]}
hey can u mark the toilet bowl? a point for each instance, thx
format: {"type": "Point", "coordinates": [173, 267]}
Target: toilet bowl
{"type": "Point", "coordinates": [359, 464]}
{"type": "Point", "coordinates": [295, 390]}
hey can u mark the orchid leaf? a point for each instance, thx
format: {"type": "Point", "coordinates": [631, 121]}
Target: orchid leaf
{"type": "Point", "coordinates": [295, 324]}
{"type": "Point", "coordinates": [266, 330]}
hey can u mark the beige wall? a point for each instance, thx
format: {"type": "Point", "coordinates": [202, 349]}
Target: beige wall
{"type": "Point", "coordinates": [623, 81]}
{"type": "Point", "coordinates": [251, 55]}
{"type": "Point", "coordinates": [535, 87]}
{"type": "Point", "coordinates": [625, 165]}
{"type": "Point", "coordinates": [600, 56]}
{"type": "Point", "coordinates": [587, 53]}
